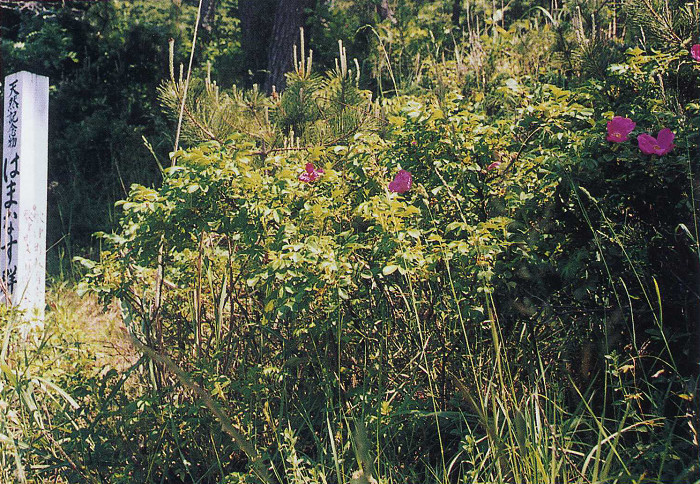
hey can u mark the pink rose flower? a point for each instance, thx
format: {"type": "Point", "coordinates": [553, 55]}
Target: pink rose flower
{"type": "Point", "coordinates": [695, 52]}
{"type": "Point", "coordinates": [619, 128]}
{"type": "Point", "coordinates": [311, 174]}
{"type": "Point", "coordinates": [660, 145]}
{"type": "Point", "coordinates": [402, 182]}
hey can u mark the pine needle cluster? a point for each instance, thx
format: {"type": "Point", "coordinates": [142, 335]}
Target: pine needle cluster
{"type": "Point", "coordinates": [314, 109]}
{"type": "Point", "coordinates": [665, 22]}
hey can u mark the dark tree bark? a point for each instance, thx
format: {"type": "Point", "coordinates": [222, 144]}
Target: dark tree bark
{"type": "Point", "coordinates": [256, 18]}
{"type": "Point", "coordinates": [456, 12]}
{"type": "Point", "coordinates": [385, 11]}
{"type": "Point", "coordinates": [206, 19]}
{"type": "Point", "coordinates": [289, 17]}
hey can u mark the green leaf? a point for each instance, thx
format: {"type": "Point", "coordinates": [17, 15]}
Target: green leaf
{"type": "Point", "coordinates": [389, 269]}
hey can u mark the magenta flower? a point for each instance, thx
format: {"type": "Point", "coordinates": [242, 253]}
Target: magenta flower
{"type": "Point", "coordinates": [402, 182]}
{"type": "Point", "coordinates": [493, 166]}
{"type": "Point", "coordinates": [619, 128]}
{"type": "Point", "coordinates": [311, 174]}
{"type": "Point", "coordinates": [660, 145]}
{"type": "Point", "coordinates": [695, 52]}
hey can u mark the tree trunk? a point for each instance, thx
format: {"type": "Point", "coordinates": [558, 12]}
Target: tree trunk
{"type": "Point", "coordinates": [206, 19]}
{"type": "Point", "coordinates": [289, 17]}
{"type": "Point", "coordinates": [456, 12]}
{"type": "Point", "coordinates": [385, 11]}
{"type": "Point", "coordinates": [256, 27]}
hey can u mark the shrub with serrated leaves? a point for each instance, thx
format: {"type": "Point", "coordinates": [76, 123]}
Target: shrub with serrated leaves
{"type": "Point", "coordinates": [527, 249]}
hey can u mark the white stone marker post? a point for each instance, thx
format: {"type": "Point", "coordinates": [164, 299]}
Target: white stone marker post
{"type": "Point", "coordinates": [24, 172]}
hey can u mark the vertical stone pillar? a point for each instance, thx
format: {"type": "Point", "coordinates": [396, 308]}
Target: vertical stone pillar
{"type": "Point", "coordinates": [24, 176]}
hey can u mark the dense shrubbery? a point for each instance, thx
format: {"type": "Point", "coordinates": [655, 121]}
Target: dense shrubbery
{"type": "Point", "coordinates": [522, 312]}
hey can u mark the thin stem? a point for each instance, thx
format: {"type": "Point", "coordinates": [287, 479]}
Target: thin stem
{"type": "Point", "coordinates": [187, 82]}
